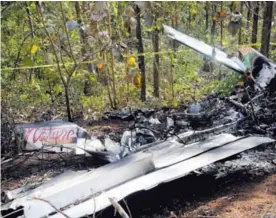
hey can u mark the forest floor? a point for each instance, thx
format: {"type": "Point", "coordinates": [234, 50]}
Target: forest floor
{"type": "Point", "coordinates": [239, 194]}
{"type": "Point", "coordinates": [241, 198]}
{"type": "Point", "coordinates": [255, 198]}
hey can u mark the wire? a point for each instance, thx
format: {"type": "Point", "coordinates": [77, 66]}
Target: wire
{"type": "Point", "coordinates": [125, 56]}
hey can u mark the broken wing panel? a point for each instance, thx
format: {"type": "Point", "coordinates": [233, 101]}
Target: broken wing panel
{"type": "Point", "coordinates": [205, 49]}
{"type": "Point", "coordinates": [164, 175]}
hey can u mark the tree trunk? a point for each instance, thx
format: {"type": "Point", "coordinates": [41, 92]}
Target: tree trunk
{"type": "Point", "coordinates": [68, 108]}
{"type": "Point", "coordinates": [155, 43]}
{"type": "Point", "coordinates": [213, 28]}
{"type": "Point", "coordinates": [30, 21]}
{"type": "Point", "coordinates": [255, 24]}
{"type": "Point", "coordinates": [111, 59]}
{"type": "Point", "coordinates": [248, 18]}
{"type": "Point", "coordinates": [79, 20]}
{"type": "Point", "coordinates": [206, 16]}
{"type": "Point", "coordinates": [231, 6]}
{"type": "Point", "coordinates": [221, 25]}
{"type": "Point", "coordinates": [266, 31]}
{"type": "Point", "coordinates": [240, 32]}
{"type": "Point", "coordinates": [87, 88]}
{"type": "Point", "coordinates": [141, 58]}
{"type": "Point", "coordinates": [173, 55]}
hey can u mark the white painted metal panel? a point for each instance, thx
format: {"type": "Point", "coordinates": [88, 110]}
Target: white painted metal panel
{"type": "Point", "coordinates": [164, 175]}
{"type": "Point", "coordinates": [69, 191]}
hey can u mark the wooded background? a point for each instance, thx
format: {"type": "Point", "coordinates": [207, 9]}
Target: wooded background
{"type": "Point", "coordinates": [78, 59]}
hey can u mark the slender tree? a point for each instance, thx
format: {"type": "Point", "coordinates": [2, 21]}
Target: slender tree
{"type": "Point", "coordinates": [206, 15]}
{"type": "Point", "coordinates": [248, 18]}
{"type": "Point", "coordinates": [240, 32]}
{"type": "Point", "coordinates": [140, 49]}
{"type": "Point", "coordinates": [31, 26]}
{"type": "Point", "coordinates": [221, 24]}
{"type": "Point", "coordinates": [255, 23]}
{"type": "Point", "coordinates": [155, 43]}
{"type": "Point", "coordinates": [214, 24]}
{"type": "Point", "coordinates": [266, 30]}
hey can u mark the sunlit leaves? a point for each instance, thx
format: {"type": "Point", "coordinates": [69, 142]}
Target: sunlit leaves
{"type": "Point", "coordinates": [92, 78]}
{"type": "Point", "coordinates": [74, 74]}
{"type": "Point", "coordinates": [34, 49]}
{"type": "Point", "coordinates": [57, 88]}
{"type": "Point", "coordinates": [131, 62]}
{"type": "Point", "coordinates": [193, 11]}
{"type": "Point", "coordinates": [24, 96]}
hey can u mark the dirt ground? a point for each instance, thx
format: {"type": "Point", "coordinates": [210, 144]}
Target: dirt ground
{"type": "Point", "coordinates": [205, 197]}
{"type": "Point", "coordinates": [255, 199]}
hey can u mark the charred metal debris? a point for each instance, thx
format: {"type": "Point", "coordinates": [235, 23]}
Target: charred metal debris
{"type": "Point", "coordinates": [159, 145]}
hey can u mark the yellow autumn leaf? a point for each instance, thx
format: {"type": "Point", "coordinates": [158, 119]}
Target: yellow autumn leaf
{"type": "Point", "coordinates": [34, 49]}
{"type": "Point", "coordinates": [137, 80]}
{"type": "Point", "coordinates": [74, 74]}
{"type": "Point", "coordinates": [57, 88]}
{"type": "Point", "coordinates": [193, 11]}
{"type": "Point", "coordinates": [92, 78]}
{"type": "Point", "coordinates": [131, 62]}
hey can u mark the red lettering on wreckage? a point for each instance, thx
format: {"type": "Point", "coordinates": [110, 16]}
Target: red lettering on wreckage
{"type": "Point", "coordinates": [55, 135]}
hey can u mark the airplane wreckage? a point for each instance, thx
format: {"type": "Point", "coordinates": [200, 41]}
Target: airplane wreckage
{"type": "Point", "coordinates": [142, 160]}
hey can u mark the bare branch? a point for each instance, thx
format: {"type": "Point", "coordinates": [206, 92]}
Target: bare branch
{"type": "Point", "coordinates": [70, 47]}
{"type": "Point", "coordinates": [53, 46]}
{"type": "Point", "coordinates": [118, 207]}
{"type": "Point", "coordinates": [48, 202]}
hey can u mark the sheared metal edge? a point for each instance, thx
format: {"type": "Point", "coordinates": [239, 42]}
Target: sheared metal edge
{"type": "Point", "coordinates": [83, 187]}
{"type": "Point", "coordinates": [170, 156]}
{"type": "Point", "coordinates": [205, 49]}
{"type": "Point", "coordinates": [188, 137]}
{"type": "Point", "coordinates": [29, 189]}
{"type": "Point", "coordinates": [158, 148]}
{"type": "Point", "coordinates": [164, 175]}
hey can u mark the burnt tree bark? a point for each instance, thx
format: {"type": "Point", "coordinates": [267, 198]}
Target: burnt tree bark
{"type": "Point", "coordinates": [141, 58]}
{"type": "Point", "coordinates": [266, 30]}
{"type": "Point", "coordinates": [255, 23]}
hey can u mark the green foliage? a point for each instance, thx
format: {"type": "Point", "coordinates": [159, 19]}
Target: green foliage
{"type": "Point", "coordinates": [225, 86]}
{"type": "Point", "coordinates": [39, 83]}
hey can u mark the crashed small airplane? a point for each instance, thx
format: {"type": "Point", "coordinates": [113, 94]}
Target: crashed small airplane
{"type": "Point", "coordinates": [246, 61]}
{"type": "Point", "coordinates": [77, 194]}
